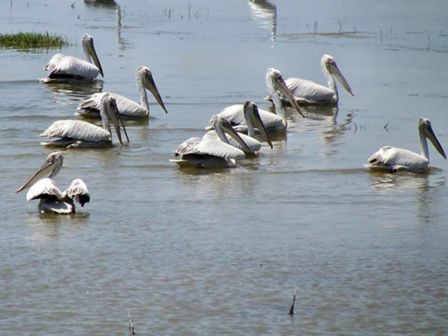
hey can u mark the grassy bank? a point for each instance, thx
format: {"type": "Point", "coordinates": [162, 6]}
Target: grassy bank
{"type": "Point", "coordinates": [31, 40]}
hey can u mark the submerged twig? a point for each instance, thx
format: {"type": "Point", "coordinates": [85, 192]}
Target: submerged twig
{"type": "Point", "coordinates": [291, 310]}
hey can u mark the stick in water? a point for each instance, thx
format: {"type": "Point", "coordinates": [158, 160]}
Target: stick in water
{"type": "Point", "coordinates": [291, 310]}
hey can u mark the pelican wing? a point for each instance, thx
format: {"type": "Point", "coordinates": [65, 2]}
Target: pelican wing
{"type": "Point", "coordinates": [44, 188]}
{"type": "Point", "coordinates": [271, 121]}
{"type": "Point", "coordinates": [393, 158]}
{"type": "Point", "coordinates": [91, 103]}
{"type": "Point", "coordinates": [187, 147]}
{"type": "Point", "coordinates": [233, 114]}
{"type": "Point", "coordinates": [306, 91]}
{"type": "Point", "coordinates": [252, 143]}
{"type": "Point", "coordinates": [211, 144]}
{"type": "Point", "coordinates": [126, 106]}
{"type": "Point", "coordinates": [77, 130]}
{"type": "Point", "coordinates": [61, 66]}
{"type": "Point", "coordinates": [78, 191]}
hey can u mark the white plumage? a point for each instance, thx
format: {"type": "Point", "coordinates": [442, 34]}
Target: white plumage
{"type": "Point", "coordinates": [76, 129]}
{"type": "Point", "coordinates": [393, 158]}
{"type": "Point", "coordinates": [252, 120]}
{"type": "Point", "coordinates": [309, 92]}
{"type": "Point", "coordinates": [44, 187]}
{"type": "Point", "coordinates": [212, 150]}
{"type": "Point", "coordinates": [273, 122]}
{"type": "Point", "coordinates": [81, 134]}
{"type": "Point", "coordinates": [127, 108]}
{"type": "Point", "coordinates": [51, 199]}
{"type": "Point", "coordinates": [66, 68]}
{"type": "Point", "coordinates": [234, 114]}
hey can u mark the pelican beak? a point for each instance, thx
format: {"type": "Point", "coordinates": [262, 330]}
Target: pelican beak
{"type": "Point", "coordinates": [333, 68]}
{"type": "Point", "coordinates": [256, 119]}
{"type": "Point", "coordinates": [116, 118]}
{"type": "Point", "coordinates": [227, 128]}
{"type": "Point", "coordinates": [43, 171]}
{"type": "Point", "coordinates": [432, 137]}
{"type": "Point", "coordinates": [94, 56]}
{"type": "Point", "coordinates": [283, 89]}
{"type": "Point", "coordinates": [150, 84]}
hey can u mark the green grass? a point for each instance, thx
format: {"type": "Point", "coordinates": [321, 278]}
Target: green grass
{"type": "Point", "coordinates": [31, 40]}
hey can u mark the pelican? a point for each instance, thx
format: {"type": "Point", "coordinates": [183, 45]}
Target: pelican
{"type": "Point", "coordinates": [273, 123]}
{"type": "Point", "coordinates": [127, 108]}
{"type": "Point", "coordinates": [81, 134]}
{"type": "Point", "coordinates": [51, 199]}
{"type": "Point", "coordinates": [213, 149]}
{"type": "Point", "coordinates": [66, 68]}
{"type": "Point", "coordinates": [253, 120]}
{"type": "Point", "coordinates": [311, 93]}
{"type": "Point", "coordinates": [393, 158]}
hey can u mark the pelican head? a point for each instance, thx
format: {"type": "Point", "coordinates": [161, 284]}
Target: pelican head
{"type": "Point", "coordinates": [89, 50]}
{"type": "Point", "coordinates": [329, 64]}
{"type": "Point", "coordinates": [221, 126]}
{"type": "Point", "coordinates": [276, 85]}
{"type": "Point", "coordinates": [50, 168]}
{"type": "Point", "coordinates": [109, 112]}
{"type": "Point", "coordinates": [144, 73]}
{"type": "Point", "coordinates": [253, 120]}
{"type": "Point", "coordinates": [426, 131]}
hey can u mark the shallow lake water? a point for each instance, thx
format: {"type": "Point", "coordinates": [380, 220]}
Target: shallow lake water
{"type": "Point", "coordinates": [194, 252]}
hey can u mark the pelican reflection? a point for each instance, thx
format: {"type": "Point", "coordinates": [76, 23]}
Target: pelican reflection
{"type": "Point", "coordinates": [265, 14]}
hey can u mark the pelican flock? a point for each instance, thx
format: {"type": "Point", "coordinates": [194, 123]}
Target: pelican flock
{"type": "Point", "coordinates": [233, 134]}
{"type": "Point", "coordinates": [393, 158]}
{"type": "Point", "coordinates": [307, 92]}
{"type": "Point", "coordinates": [67, 68]}
{"type": "Point", "coordinates": [127, 108]}
{"type": "Point", "coordinates": [51, 199]}
{"type": "Point", "coordinates": [81, 134]}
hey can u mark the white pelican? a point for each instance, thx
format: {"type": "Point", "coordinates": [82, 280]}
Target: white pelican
{"type": "Point", "coordinates": [81, 134]}
{"type": "Point", "coordinates": [252, 120]}
{"type": "Point", "coordinates": [212, 150]}
{"type": "Point", "coordinates": [66, 68]}
{"type": "Point", "coordinates": [273, 123]}
{"type": "Point", "coordinates": [44, 188]}
{"type": "Point", "coordinates": [393, 158]}
{"type": "Point", "coordinates": [311, 93]}
{"type": "Point", "coordinates": [127, 108]}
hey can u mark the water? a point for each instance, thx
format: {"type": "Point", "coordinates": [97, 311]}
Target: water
{"type": "Point", "coordinates": [193, 252]}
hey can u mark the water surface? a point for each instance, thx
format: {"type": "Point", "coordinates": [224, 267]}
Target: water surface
{"type": "Point", "coordinates": [220, 252]}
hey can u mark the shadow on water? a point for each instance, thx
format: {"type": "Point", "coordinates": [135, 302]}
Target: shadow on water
{"type": "Point", "coordinates": [46, 226]}
{"type": "Point", "coordinates": [332, 129]}
{"type": "Point", "coordinates": [403, 180]}
{"type": "Point", "coordinates": [101, 3]}
{"type": "Point", "coordinates": [426, 187]}
{"type": "Point", "coordinates": [111, 5]}
{"type": "Point", "coordinates": [77, 90]}
{"type": "Point", "coordinates": [202, 171]}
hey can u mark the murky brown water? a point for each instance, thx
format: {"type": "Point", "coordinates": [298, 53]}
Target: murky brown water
{"type": "Point", "coordinates": [193, 252]}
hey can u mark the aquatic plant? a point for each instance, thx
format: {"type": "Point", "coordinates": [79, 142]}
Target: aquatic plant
{"type": "Point", "coordinates": [31, 40]}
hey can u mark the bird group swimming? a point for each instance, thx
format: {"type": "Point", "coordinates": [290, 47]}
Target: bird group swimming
{"type": "Point", "coordinates": [233, 134]}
